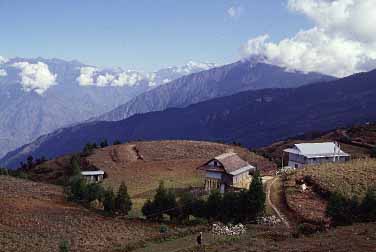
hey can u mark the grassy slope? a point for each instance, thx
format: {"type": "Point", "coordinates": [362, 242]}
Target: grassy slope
{"type": "Point", "coordinates": [350, 179]}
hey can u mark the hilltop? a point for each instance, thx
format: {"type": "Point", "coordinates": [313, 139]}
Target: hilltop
{"type": "Point", "coordinates": [141, 165]}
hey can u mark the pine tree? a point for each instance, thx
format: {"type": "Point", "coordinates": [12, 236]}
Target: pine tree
{"type": "Point", "coordinates": [123, 201]}
{"type": "Point", "coordinates": [109, 201]}
{"type": "Point", "coordinates": [256, 197]}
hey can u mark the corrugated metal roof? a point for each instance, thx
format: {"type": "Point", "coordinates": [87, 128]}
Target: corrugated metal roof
{"type": "Point", "coordinates": [326, 149]}
{"type": "Point", "coordinates": [92, 173]}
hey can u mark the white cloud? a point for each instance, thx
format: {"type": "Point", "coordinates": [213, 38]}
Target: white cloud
{"type": "Point", "coordinates": [86, 76]}
{"type": "Point", "coordinates": [91, 76]}
{"type": "Point", "coordinates": [342, 42]}
{"type": "Point", "coordinates": [234, 11]}
{"type": "Point", "coordinates": [3, 73]}
{"type": "Point", "coordinates": [35, 77]}
{"type": "Point", "coordinates": [3, 60]}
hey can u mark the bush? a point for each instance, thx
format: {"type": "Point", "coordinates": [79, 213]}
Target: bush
{"type": "Point", "coordinates": [373, 152]}
{"type": "Point", "coordinates": [77, 186]}
{"type": "Point", "coordinates": [341, 210]}
{"type": "Point", "coordinates": [123, 203]}
{"type": "Point", "coordinates": [116, 142]}
{"type": "Point", "coordinates": [186, 205]}
{"type": "Point", "coordinates": [104, 143]}
{"type": "Point", "coordinates": [64, 246]}
{"type": "Point", "coordinates": [368, 206]}
{"type": "Point", "coordinates": [163, 229]}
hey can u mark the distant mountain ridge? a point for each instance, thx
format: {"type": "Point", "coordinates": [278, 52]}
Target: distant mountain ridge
{"type": "Point", "coordinates": [216, 82]}
{"type": "Point", "coordinates": [253, 118]}
{"type": "Point", "coordinates": [40, 95]}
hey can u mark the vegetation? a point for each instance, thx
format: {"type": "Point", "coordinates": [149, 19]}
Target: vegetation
{"type": "Point", "coordinates": [373, 152]}
{"type": "Point", "coordinates": [64, 246]}
{"type": "Point", "coordinates": [123, 203]}
{"type": "Point", "coordinates": [231, 207]}
{"type": "Point", "coordinates": [345, 211]}
{"type": "Point", "coordinates": [350, 179]}
{"type": "Point", "coordinates": [164, 202]}
{"type": "Point", "coordinates": [14, 173]}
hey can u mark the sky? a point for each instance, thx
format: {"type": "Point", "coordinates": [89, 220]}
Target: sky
{"type": "Point", "coordinates": [140, 34]}
{"type": "Point", "coordinates": [336, 37]}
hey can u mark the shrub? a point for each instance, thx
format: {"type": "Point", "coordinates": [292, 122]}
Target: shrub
{"type": "Point", "coordinates": [104, 143]}
{"type": "Point", "coordinates": [163, 229]}
{"type": "Point", "coordinates": [116, 142]}
{"type": "Point", "coordinates": [77, 186]}
{"type": "Point", "coordinates": [64, 246]}
{"type": "Point", "coordinates": [341, 210]}
{"type": "Point", "coordinates": [373, 152]}
{"type": "Point", "coordinates": [186, 203]}
{"type": "Point", "coordinates": [123, 203]}
{"type": "Point", "coordinates": [368, 206]}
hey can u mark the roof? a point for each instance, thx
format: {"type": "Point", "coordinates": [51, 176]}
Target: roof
{"type": "Point", "coordinates": [232, 163]}
{"type": "Point", "coordinates": [310, 150]}
{"type": "Point", "coordinates": [92, 173]}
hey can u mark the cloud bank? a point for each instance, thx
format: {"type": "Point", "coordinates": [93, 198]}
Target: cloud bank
{"type": "Point", "coordinates": [35, 77]}
{"type": "Point", "coordinates": [342, 41]}
{"type": "Point", "coordinates": [3, 60]}
{"type": "Point", "coordinates": [91, 76]}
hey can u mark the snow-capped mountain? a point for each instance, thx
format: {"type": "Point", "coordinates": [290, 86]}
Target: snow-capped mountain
{"type": "Point", "coordinates": [40, 95]}
{"type": "Point", "coordinates": [250, 74]}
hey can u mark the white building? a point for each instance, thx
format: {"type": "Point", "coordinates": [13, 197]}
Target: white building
{"type": "Point", "coordinates": [315, 153]}
{"type": "Point", "coordinates": [93, 176]}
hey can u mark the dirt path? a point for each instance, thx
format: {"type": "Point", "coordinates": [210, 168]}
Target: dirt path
{"type": "Point", "coordinates": [269, 185]}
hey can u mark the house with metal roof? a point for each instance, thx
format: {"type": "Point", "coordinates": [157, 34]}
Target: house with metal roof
{"type": "Point", "coordinates": [227, 171]}
{"type": "Point", "coordinates": [93, 176]}
{"type": "Point", "coordinates": [304, 154]}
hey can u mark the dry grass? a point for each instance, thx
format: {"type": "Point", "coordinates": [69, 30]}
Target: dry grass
{"type": "Point", "coordinates": [36, 217]}
{"type": "Point", "coordinates": [350, 179]}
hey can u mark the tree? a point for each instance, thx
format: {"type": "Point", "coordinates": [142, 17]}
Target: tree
{"type": "Point", "coordinates": [148, 209]}
{"type": "Point", "coordinates": [64, 246]}
{"type": "Point", "coordinates": [186, 204]}
{"type": "Point", "coordinates": [30, 162]}
{"type": "Point", "coordinates": [123, 203]}
{"type": "Point", "coordinates": [256, 196]}
{"type": "Point", "coordinates": [78, 188]}
{"type": "Point", "coordinates": [109, 201]}
{"type": "Point", "coordinates": [104, 143]}
{"type": "Point", "coordinates": [368, 206]}
{"type": "Point", "coordinates": [230, 210]}
{"type": "Point", "coordinates": [75, 166]}
{"type": "Point", "coordinates": [116, 142]}
{"type": "Point", "coordinates": [341, 210]}
{"type": "Point", "coordinates": [214, 204]}
{"type": "Point", "coordinates": [94, 192]}
{"type": "Point", "coordinates": [164, 202]}
{"type": "Point", "coordinates": [200, 209]}
{"type": "Point", "coordinates": [373, 152]}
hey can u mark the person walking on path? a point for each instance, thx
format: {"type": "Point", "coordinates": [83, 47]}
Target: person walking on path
{"type": "Point", "coordinates": [199, 241]}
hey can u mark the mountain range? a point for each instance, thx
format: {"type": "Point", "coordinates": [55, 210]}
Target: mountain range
{"type": "Point", "coordinates": [253, 118]}
{"type": "Point", "coordinates": [248, 74]}
{"type": "Point", "coordinates": [38, 96]}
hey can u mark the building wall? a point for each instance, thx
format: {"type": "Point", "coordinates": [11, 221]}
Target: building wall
{"type": "Point", "coordinates": [300, 161]}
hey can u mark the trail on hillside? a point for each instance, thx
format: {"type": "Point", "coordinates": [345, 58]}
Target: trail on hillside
{"type": "Point", "coordinates": [270, 203]}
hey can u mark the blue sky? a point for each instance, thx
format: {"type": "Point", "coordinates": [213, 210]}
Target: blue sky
{"type": "Point", "coordinates": [141, 34]}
